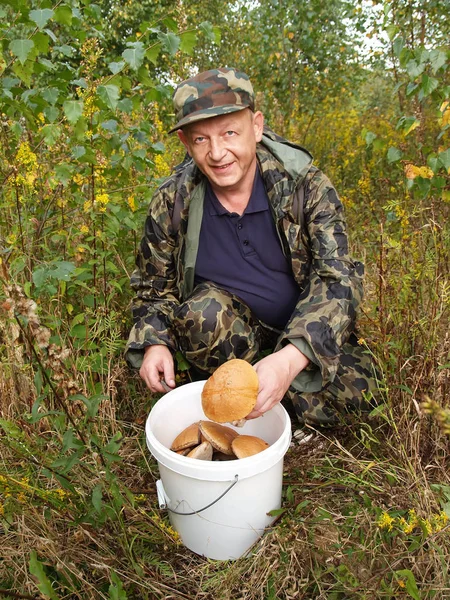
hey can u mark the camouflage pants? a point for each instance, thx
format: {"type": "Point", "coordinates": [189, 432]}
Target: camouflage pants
{"type": "Point", "coordinates": [213, 326]}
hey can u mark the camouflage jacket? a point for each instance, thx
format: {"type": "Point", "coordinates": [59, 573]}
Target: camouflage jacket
{"type": "Point", "coordinates": [330, 282]}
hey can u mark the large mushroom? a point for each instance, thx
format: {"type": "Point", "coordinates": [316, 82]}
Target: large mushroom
{"type": "Point", "coordinates": [248, 445]}
{"type": "Point", "coordinates": [188, 438]}
{"type": "Point", "coordinates": [219, 436]}
{"type": "Point", "coordinates": [230, 393]}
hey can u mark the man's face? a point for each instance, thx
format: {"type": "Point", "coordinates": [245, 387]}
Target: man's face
{"type": "Point", "coordinates": [224, 148]}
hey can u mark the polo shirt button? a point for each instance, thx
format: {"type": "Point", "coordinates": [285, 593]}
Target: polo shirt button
{"type": "Point", "coordinates": [245, 242]}
{"type": "Point", "coordinates": [240, 226]}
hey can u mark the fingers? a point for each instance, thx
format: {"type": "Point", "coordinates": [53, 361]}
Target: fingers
{"type": "Point", "coordinates": [158, 364]}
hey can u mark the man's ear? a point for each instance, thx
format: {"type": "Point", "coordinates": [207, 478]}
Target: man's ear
{"type": "Point", "coordinates": [258, 125]}
{"type": "Point", "coordinates": [183, 139]}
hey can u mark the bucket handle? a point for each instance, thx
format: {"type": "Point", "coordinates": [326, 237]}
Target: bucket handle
{"type": "Point", "coordinates": [163, 503]}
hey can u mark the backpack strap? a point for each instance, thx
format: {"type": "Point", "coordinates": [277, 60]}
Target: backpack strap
{"type": "Point", "coordinates": [298, 205]}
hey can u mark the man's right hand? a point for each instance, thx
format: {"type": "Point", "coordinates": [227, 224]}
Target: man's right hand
{"type": "Point", "coordinates": [157, 365]}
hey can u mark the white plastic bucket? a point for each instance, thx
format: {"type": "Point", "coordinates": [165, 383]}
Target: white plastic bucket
{"type": "Point", "coordinates": [240, 493]}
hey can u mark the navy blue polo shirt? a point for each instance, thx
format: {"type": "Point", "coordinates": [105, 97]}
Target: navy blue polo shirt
{"type": "Point", "coordinates": [243, 255]}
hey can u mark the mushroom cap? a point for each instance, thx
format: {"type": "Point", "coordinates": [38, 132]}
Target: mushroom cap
{"type": "Point", "coordinates": [231, 391]}
{"type": "Point", "coordinates": [248, 445]}
{"type": "Point", "coordinates": [219, 436]}
{"type": "Point", "coordinates": [188, 438]}
{"type": "Point", "coordinates": [203, 451]}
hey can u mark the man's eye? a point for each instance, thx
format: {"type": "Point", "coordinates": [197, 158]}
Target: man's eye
{"type": "Point", "coordinates": [230, 133]}
{"type": "Point", "coordinates": [199, 139]}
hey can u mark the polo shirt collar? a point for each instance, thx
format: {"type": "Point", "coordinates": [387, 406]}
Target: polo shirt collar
{"type": "Point", "coordinates": [258, 199]}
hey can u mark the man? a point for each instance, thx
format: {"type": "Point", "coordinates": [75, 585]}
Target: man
{"type": "Point", "coordinates": [244, 252]}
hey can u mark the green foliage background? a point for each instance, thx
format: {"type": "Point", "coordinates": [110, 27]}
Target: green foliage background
{"type": "Point", "coordinates": [85, 101]}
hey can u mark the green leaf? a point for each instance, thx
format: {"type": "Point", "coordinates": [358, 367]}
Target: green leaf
{"type": "Point", "coordinates": [212, 33]}
{"type": "Point", "coordinates": [24, 72]}
{"type": "Point", "coordinates": [437, 59]}
{"type": "Point", "coordinates": [63, 15]}
{"type": "Point", "coordinates": [170, 23]}
{"type": "Point", "coordinates": [115, 590]}
{"type": "Point", "coordinates": [21, 49]}
{"type": "Point", "coordinates": [51, 95]}
{"type": "Point", "coordinates": [398, 45]}
{"type": "Point", "coordinates": [96, 498]}
{"type": "Point", "coordinates": [116, 67]}
{"type": "Point", "coordinates": [41, 41]}
{"type": "Point", "coordinates": [170, 42]}
{"type": "Point", "coordinates": [188, 41]}
{"type": "Point", "coordinates": [444, 158]}
{"type": "Point", "coordinates": [110, 125]}
{"type": "Point", "coordinates": [44, 585]}
{"type": "Point", "coordinates": [63, 269]}
{"type": "Point", "coordinates": [63, 173]}
{"type": "Point", "coordinates": [152, 53]}
{"type": "Point", "coordinates": [414, 69]}
{"type": "Point", "coordinates": [51, 134]}
{"type": "Point", "coordinates": [41, 16]}
{"type": "Point", "coordinates": [79, 331]}
{"type": "Point", "coordinates": [394, 154]}
{"type": "Point", "coordinates": [51, 113]}
{"type": "Point", "coordinates": [428, 85]}
{"type": "Point", "coordinates": [411, 586]}
{"type": "Point", "coordinates": [109, 94]}
{"type": "Point", "coordinates": [73, 109]}
{"type": "Point", "coordinates": [134, 55]}
{"type": "Point", "coordinates": [125, 105]}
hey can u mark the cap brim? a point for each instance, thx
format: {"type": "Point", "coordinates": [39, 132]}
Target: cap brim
{"type": "Point", "coordinates": [207, 113]}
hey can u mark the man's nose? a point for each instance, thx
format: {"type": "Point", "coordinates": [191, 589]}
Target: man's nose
{"type": "Point", "coordinates": [217, 149]}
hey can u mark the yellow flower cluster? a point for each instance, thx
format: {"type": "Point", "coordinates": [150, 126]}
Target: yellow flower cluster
{"type": "Point", "coordinates": [102, 200]}
{"type": "Point", "coordinates": [442, 415]}
{"type": "Point", "coordinates": [162, 168]}
{"type": "Point", "coordinates": [386, 521]}
{"type": "Point", "coordinates": [27, 160]}
{"type": "Point", "coordinates": [84, 229]}
{"type": "Point", "coordinates": [166, 528]}
{"type": "Point", "coordinates": [91, 52]}
{"type": "Point", "coordinates": [89, 108]}
{"type": "Point", "coordinates": [364, 185]}
{"type": "Point", "coordinates": [131, 201]}
{"type": "Point", "coordinates": [431, 525]}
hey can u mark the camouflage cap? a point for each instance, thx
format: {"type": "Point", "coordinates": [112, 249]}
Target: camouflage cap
{"type": "Point", "coordinates": [212, 93]}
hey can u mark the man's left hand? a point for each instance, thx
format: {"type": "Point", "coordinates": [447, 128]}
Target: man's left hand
{"type": "Point", "coordinates": [276, 373]}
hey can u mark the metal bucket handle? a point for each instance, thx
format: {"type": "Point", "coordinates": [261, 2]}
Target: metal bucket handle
{"type": "Point", "coordinates": [164, 500]}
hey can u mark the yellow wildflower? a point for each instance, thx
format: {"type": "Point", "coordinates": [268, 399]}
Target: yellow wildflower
{"type": "Point", "coordinates": [386, 521]}
{"type": "Point", "coordinates": [84, 229]}
{"type": "Point", "coordinates": [60, 494]}
{"type": "Point", "coordinates": [440, 521]}
{"type": "Point", "coordinates": [87, 206]}
{"type": "Point", "coordinates": [102, 199]}
{"type": "Point", "coordinates": [2, 510]}
{"type": "Point", "coordinates": [131, 203]}
{"type": "Point", "coordinates": [11, 239]}
{"type": "Point", "coordinates": [406, 526]}
{"type": "Point", "coordinates": [26, 157]}
{"type": "Point", "coordinates": [162, 168]}
{"type": "Point", "coordinates": [427, 526]}
{"type": "Point", "coordinates": [401, 583]}
{"type": "Point", "coordinates": [78, 179]}
{"type": "Point", "coordinates": [21, 498]}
